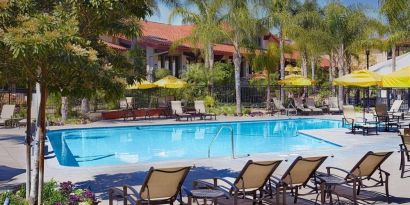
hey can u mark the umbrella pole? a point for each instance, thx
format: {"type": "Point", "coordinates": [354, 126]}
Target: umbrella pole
{"type": "Point", "coordinates": [364, 104]}
{"type": "Point", "coordinates": [408, 98]}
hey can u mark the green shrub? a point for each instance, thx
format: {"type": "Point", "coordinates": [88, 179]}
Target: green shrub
{"type": "Point", "coordinates": [228, 109]}
{"type": "Point", "coordinates": [15, 200]}
{"type": "Point", "coordinates": [51, 193]}
{"type": "Point", "coordinates": [161, 72]}
{"type": "Point", "coordinates": [246, 111]}
{"type": "Point", "coordinates": [209, 101]}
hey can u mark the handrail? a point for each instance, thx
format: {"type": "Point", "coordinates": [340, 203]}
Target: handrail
{"type": "Point", "coordinates": [217, 134]}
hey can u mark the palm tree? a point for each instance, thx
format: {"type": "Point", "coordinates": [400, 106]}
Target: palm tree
{"type": "Point", "coordinates": [267, 61]}
{"type": "Point", "coordinates": [206, 16]}
{"type": "Point", "coordinates": [305, 31]}
{"type": "Point", "coordinates": [241, 28]}
{"type": "Point", "coordinates": [279, 13]}
{"type": "Point", "coordinates": [347, 26]}
{"type": "Point", "coordinates": [397, 13]}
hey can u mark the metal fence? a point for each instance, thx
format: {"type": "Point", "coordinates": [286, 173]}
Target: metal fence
{"type": "Point", "coordinates": [251, 96]}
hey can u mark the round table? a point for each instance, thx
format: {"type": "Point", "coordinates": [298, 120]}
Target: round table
{"type": "Point", "coordinates": [205, 194]}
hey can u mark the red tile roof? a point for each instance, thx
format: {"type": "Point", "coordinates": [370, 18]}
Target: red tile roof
{"type": "Point", "coordinates": [161, 36]}
{"type": "Point", "coordinates": [115, 46]}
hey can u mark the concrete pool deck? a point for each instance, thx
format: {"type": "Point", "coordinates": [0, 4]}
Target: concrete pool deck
{"type": "Point", "coordinates": [12, 159]}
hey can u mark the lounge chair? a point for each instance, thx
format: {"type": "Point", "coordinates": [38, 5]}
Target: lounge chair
{"type": "Point", "coordinates": [296, 176]}
{"type": "Point", "coordinates": [365, 168]}
{"type": "Point", "coordinates": [350, 118]}
{"type": "Point", "coordinates": [300, 107]}
{"type": "Point", "coordinates": [333, 106]}
{"type": "Point", "coordinates": [161, 186]}
{"type": "Point", "coordinates": [282, 109]}
{"type": "Point", "coordinates": [250, 181]}
{"type": "Point", "coordinates": [395, 108]}
{"type": "Point", "coordinates": [404, 150]}
{"type": "Point", "coordinates": [7, 113]}
{"type": "Point", "coordinates": [310, 102]}
{"type": "Point", "coordinates": [176, 108]}
{"type": "Point", "coordinates": [384, 118]}
{"type": "Point", "coordinates": [201, 110]}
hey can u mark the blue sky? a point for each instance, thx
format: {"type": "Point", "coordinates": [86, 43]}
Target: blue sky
{"type": "Point", "coordinates": [164, 11]}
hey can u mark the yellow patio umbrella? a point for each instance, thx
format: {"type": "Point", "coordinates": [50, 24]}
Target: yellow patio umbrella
{"type": "Point", "coordinates": [398, 79]}
{"type": "Point", "coordinates": [296, 80]}
{"type": "Point", "coordinates": [141, 85]}
{"type": "Point", "coordinates": [170, 82]}
{"type": "Point", "coordinates": [359, 78]}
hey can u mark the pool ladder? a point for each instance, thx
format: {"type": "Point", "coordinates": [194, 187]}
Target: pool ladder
{"type": "Point", "coordinates": [216, 136]}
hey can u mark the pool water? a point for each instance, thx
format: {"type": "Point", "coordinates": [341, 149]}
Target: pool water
{"type": "Point", "coordinates": [142, 144]}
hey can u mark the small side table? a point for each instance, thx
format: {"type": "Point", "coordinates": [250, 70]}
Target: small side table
{"type": "Point", "coordinates": [327, 186]}
{"type": "Point", "coordinates": [370, 125]}
{"type": "Point", "coordinates": [205, 194]}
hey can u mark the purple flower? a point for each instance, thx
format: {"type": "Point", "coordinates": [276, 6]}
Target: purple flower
{"type": "Point", "coordinates": [58, 203]}
{"type": "Point", "coordinates": [88, 194]}
{"type": "Point", "coordinates": [66, 188]}
{"type": "Point", "coordinates": [73, 199]}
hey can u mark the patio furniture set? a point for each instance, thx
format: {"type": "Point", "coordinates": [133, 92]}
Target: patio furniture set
{"type": "Point", "coordinates": [258, 183]}
{"type": "Point", "coordinates": [308, 108]}
{"type": "Point", "coordinates": [388, 119]}
{"type": "Point", "coordinates": [171, 109]}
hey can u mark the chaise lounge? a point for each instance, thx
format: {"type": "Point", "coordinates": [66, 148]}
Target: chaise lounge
{"type": "Point", "coordinates": [161, 186]}
{"type": "Point", "coordinates": [365, 168]}
{"type": "Point", "coordinates": [296, 176]}
{"type": "Point", "coordinates": [177, 112]}
{"type": "Point", "coordinates": [7, 113]}
{"type": "Point", "coordinates": [404, 150]}
{"type": "Point", "coordinates": [250, 181]}
{"type": "Point", "coordinates": [201, 110]}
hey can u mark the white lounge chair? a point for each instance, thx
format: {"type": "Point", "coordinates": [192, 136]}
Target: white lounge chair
{"type": "Point", "coordinates": [334, 106]}
{"type": "Point", "coordinates": [300, 107]}
{"type": "Point", "coordinates": [310, 102]}
{"type": "Point", "coordinates": [7, 113]}
{"type": "Point", "coordinates": [282, 109]}
{"type": "Point", "coordinates": [177, 111]}
{"type": "Point", "coordinates": [201, 110]}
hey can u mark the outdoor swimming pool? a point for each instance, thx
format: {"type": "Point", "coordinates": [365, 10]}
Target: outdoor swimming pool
{"type": "Point", "coordinates": [139, 144]}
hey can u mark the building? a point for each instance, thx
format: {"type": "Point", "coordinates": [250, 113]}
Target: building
{"type": "Point", "coordinates": [157, 39]}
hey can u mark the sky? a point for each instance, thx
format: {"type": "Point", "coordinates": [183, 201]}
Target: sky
{"type": "Point", "coordinates": [164, 11]}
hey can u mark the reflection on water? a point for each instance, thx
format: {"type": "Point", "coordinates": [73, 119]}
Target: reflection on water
{"type": "Point", "coordinates": [110, 146]}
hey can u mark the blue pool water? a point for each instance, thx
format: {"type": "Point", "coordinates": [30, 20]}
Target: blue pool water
{"type": "Point", "coordinates": [139, 144]}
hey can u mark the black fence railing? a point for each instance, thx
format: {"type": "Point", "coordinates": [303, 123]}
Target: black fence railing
{"type": "Point", "coordinates": [251, 96]}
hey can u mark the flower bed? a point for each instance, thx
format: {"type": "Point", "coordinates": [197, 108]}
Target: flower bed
{"type": "Point", "coordinates": [64, 193]}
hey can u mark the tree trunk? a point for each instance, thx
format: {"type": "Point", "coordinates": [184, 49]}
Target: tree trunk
{"type": "Point", "coordinates": [237, 63]}
{"type": "Point", "coordinates": [268, 91]}
{"type": "Point", "coordinates": [211, 62]}
{"type": "Point", "coordinates": [41, 129]}
{"type": "Point", "coordinates": [312, 66]}
{"type": "Point", "coordinates": [331, 66]}
{"type": "Point", "coordinates": [85, 106]}
{"type": "Point", "coordinates": [64, 109]}
{"type": "Point", "coordinates": [332, 70]}
{"type": "Point", "coordinates": [28, 139]}
{"type": "Point", "coordinates": [341, 73]}
{"type": "Point", "coordinates": [35, 171]}
{"type": "Point", "coordinates": [282, 64]}
{"type": "Point", "coordinates": [304, 64]}
{"type": "Point", "coordinates": [393, 58]}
